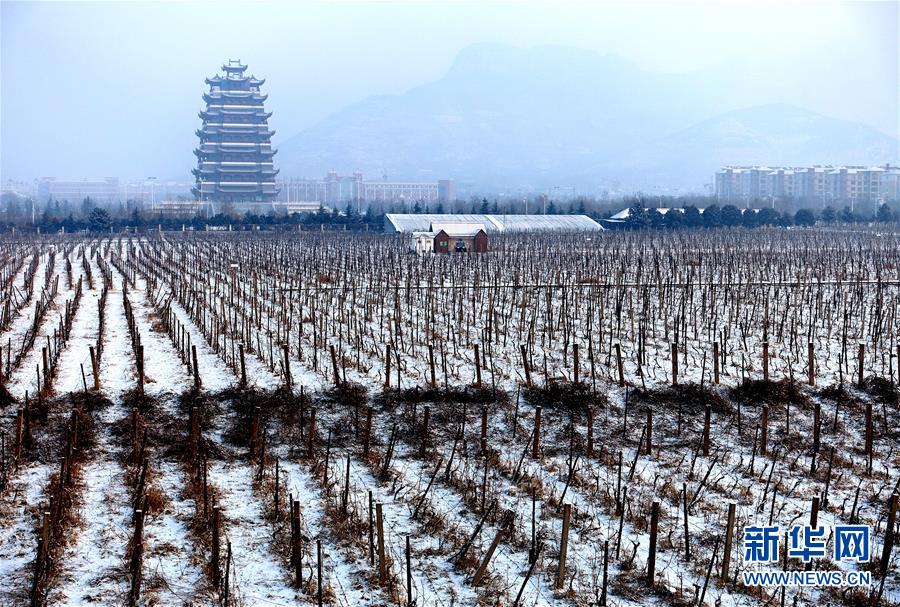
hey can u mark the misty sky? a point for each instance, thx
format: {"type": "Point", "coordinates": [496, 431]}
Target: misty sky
{"type": "Point", "coordinates": [113, 89]}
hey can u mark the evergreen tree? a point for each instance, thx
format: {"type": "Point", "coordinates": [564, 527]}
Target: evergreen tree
{"type": "Point", "coordinates": [692, 217]}
{"type": "Point", "coordinates": [99, 220]}
{"type": "Point", "coordinates": [673, 219]}
{"type": "Point", "coordinates": [768, 217]}
{"type": "Point", "coordinates": [751, 219]}
{"type": "Point", "coordinates": [731, 215]}
{"type": "Point", "coordinates": [805, 217]}
{"type": "Point", "coordinates": [885, 215]}
{"type": "Point", "coordinates": [712, 216]}
{"type": "Point", "coordinates": [638, 219]}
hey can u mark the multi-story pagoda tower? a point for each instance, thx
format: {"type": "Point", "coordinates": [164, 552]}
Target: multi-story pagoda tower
{"type": "Point", "coordinates": [235, 155]}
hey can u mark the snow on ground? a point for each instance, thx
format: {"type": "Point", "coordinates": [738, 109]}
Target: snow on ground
{"type": "Point", "coordinates": [163, 371]}
{"type": "Point", "coordinates": [93, 568]}
{"type": "Point", "coordinates": [170, 566]}
{"type": "Point", "coordinates": [259, 579]}
{"type": "Point", "coordinates": [343, 570]}
{"type": "Point", "coordinates": [76, 356]}
{"type": "Point", "coordinates": [258, 576]}
{"type": "Point", "coordinates": [18, 542]}
{"type": "Point", "coordinates": [24, 378]}
{"type": "Point", "coordinates": [16, 294]}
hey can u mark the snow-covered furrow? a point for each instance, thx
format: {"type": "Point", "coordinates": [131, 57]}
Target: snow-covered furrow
{"type": "Point", "coordinates": [19, 506]}
{"type": "Point", "coordinates": [258, 577]}
{"type": "Point", "coordinates": [257, 373]}
{"type": "Point", "coordinates": [75, 357]}
{"type": "Point", "coordinates": [343, 570]}
{"type": "Point", "coordinates": [163, 371]}
{"type": "Point", "coordinates": [435, 580]}
{"type": "Point", "coordinates": [16, 294]}
{"type": "Point", "coordinates": [93, 568]}
{"type": "Point", "coordinates": [25, 377]}
{"type": "Point", "coordinates": [171, 567]}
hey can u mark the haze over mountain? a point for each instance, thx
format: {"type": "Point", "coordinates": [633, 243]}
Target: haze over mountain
{"type": "Point", "coordinates": [774, 134]}
{"type": "Point", "coordinates": [550, 116]}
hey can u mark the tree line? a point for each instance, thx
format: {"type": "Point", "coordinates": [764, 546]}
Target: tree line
{"type": "Point", "coordinates": [678, 213]}
{"type": "Point", "coordinates": [713, 216]}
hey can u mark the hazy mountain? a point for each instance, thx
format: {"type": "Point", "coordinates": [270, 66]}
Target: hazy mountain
{"type": "Point", "coordinates": [548, 116]}
{"type": "Point", "coordinates": [774, 134]}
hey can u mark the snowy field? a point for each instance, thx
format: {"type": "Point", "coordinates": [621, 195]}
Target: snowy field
{"type": "Point", "coordinates": [568, 420]}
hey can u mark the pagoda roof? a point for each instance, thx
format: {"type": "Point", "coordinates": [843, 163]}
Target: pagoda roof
{"type": "Point", "coordinates": [234, 66]}
{"type": "Point", "coordinates": [218, 150]}
{"type": "Point", "coordinates": [251, 129]}
{"type": "Point", "coordinates": [237, 95]}
{"type": "Point", "coordinates": [219, 111]}
{"type": "Point", "coordinates": [221, 168]}
{"type": "Point", "coordinates": [224, 82]}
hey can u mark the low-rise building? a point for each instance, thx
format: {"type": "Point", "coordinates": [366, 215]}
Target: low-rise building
{"type": "Point", "coordinates": [337, 190]}
{"type": "Point", "coordinates": [451, 237]}
{"type": "Point", "coordinates": [104, 190]}
{"type": "Point", "coordinates": [407, 223]}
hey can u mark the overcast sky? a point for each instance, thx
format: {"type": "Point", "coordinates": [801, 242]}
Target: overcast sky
{"type": "Point", "coordinates": [113, 89]}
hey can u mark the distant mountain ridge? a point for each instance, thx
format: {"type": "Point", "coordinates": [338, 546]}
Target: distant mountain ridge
{"type": "Point", "coordinates": [554, 116]}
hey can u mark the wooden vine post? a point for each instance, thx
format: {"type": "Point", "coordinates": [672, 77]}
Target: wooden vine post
{"type": "Point", "coordinates": [729, 531]}
{"type": "Point", "coordinates": [620, 365]}
{"type": "Point", "coordinates": [477, 367]}
{"type": "Point", "coordinates": [382, 557]}
{"type": "Point", "coordinates": [525, 365]}
{"type": "Point", "coordinates": [482, 568]}
{"type": "Point", "coordinates": [137, 551]}
{"type": "Point", "coordinates": [95, 368]}
{"type": "Point", "coordinates": [811, 363]}
{"type": "Point", "coordinates": [651, 558]}
{"type": "Point", "coordinates": [563, 547]}
{"type": "Point", "coordinates": [716, 362]}
{"type": "Point", "coordinates": [861, 357]}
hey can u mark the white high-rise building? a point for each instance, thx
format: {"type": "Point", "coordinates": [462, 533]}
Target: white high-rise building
{"type": "Point", "coordinates": [826, 183]}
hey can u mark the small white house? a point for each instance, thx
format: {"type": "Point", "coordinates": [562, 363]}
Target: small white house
{"type": "Point", "coordinates": [422, 242]}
